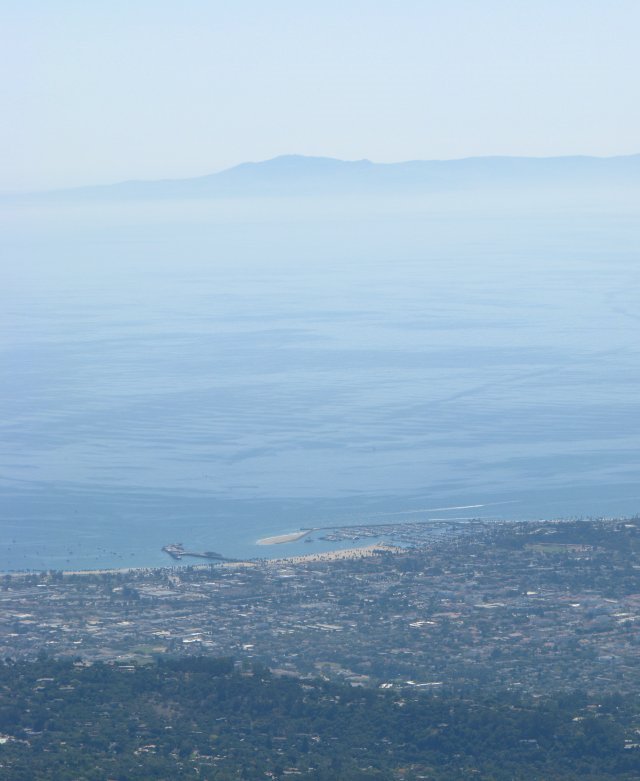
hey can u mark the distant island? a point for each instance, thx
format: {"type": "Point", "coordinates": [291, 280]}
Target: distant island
{"type": "Point", "coordinates": [297, 175]}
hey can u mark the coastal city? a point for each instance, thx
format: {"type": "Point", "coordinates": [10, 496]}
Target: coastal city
{"type": "Point", "coordinates": [532, 607]}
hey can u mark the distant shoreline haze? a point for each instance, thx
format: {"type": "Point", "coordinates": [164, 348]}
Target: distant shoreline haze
{"type": "Point", "coordinates": [300, 175]}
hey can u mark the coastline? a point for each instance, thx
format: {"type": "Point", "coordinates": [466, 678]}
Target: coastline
{"type": "Point", "coordinates": [343, 554]}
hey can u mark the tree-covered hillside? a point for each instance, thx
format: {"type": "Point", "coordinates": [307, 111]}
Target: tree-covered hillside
{"type": "Point", "coordinates": [208, 719]}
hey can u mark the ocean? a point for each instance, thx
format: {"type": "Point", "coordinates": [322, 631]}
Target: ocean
{"type": "Point", "coordinates": [220, 371]}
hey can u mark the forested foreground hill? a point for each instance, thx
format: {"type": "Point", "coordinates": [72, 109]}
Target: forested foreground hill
{"type": "Point", "coordinates": [203, 718]}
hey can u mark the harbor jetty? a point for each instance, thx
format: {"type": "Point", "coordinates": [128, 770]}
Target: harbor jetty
{"type": "Point", "coordinates": [283, 538]}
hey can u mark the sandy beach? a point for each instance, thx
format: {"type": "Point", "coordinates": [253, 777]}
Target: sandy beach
{"type": "Point", "coordinates": [336, 555]}
{"type": "Point", "coordinates": [347, 554]}
{"type": "Point", "coordinates": [282, 538]}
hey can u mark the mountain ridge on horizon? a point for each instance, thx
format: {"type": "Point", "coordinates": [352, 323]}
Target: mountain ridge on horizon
{"type": "Point", "coordinates": [295, 174]}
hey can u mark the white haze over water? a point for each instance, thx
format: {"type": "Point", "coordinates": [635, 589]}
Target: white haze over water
{"type": "Point", "coordinates": [218, 371]}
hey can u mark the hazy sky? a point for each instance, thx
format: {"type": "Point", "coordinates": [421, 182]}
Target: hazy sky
{"type": "Point", "coordinates": [105, 90]}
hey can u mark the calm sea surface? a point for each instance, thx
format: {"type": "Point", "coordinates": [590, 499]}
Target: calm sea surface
{"type": "Point", "coordinates": [215, 373]}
